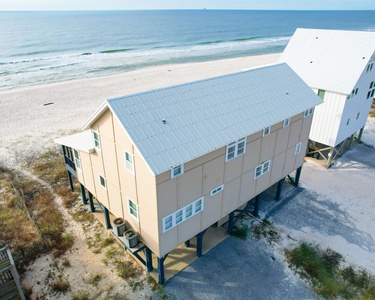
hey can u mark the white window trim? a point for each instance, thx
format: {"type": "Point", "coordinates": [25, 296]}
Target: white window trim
{"type": "Point", "coordinates": [105, 182]}
{"type": "Point", "coordinates": [235, 144]}
{"type": "Point", "coordinates": [131, 208]}
{"type": "Point", "coordinates": [173, 215]}
{"type": "Point", "coordinates": [308, 112]}
{"type": "Point", "coordinates": [182, 171]}
{"type": "Point", "coordinates": [263, 165]}
{"type": "Point", "coordinates": [266, 131]}
{"type": "Point", "coordinates": [129, 165]}
{"type": "Point", "coordinates": [298, 148]}
{"type": "Point", "coordinates": [286, 122]}
{"type": "Point", "coordinates": [93, 137]}
{"type": "Point", "coordinates": [77, 160]}
{"type": "Point", "coordinates": [217, 190]}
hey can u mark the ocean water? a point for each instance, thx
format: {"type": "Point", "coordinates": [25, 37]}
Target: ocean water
{"type": "Point", "coordinates": [45, 47]}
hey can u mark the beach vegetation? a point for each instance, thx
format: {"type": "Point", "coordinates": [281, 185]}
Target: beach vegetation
{"type": "Point", "coordinates": [325, 269]}
{"type": "Point", "coordinates": [31, 221]}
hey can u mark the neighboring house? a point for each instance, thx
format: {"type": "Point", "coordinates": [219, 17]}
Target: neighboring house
{"type": "Point", "coordinates": [339, 66]}
{"type": "Point", "coordinates": [174, 161]}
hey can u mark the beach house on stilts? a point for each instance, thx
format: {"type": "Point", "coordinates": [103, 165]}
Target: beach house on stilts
{"type": "Point", "coordinates": [339, 66]}
{"type": "Point", "coordinates": [175, 161]}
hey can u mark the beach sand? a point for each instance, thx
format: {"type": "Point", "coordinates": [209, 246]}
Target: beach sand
{"type": "Point", "coordinates": [23, 110]}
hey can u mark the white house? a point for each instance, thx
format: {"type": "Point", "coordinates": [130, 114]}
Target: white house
{"type": "Point", "coordinates": [339, 66]}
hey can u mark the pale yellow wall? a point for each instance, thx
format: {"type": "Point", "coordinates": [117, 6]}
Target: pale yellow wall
{"type": "Point", "coordinates": [140, 187]}
{"type": "Point", "coordinates": [210, 171]}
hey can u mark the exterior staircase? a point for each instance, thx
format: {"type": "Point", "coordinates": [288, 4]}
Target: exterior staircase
{"type": "Point", "coordinates": [10, 286]}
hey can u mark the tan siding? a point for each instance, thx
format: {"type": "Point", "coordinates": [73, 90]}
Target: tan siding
{"type": "Point", "coordinates": [205, 158]}
{"type": "Point", "coordinates": [247, 188]}
{"type": "Point", "coordinates": [188, 230]}
{"type": "Point", "coordinates": [263, 182]}
{"type": "Point", "coordinates": [277, 168]}
{"type": "Point", "coordinates": [212, 210]}
{"type": "Point", "coordinates": [251, 157]}
{"type": "Point", "coordinates": [295, 132]}
{"type": "Point", "coordinates": [282, 140]}
{"type": "Point", "coordinates": [289, 161]}
{"type": "Point", "coordinates": [190, 186]}
{"type": "Point", "coordinates": [231, 196]}
{"type": "Point", "coordinates": [233, 168]}
{"type": "Point", "coordinates": [167, 198]}
{"type": "Point", "coordinates": [213, 174]}
{"type": "Point", "coordinates": [268, 146]}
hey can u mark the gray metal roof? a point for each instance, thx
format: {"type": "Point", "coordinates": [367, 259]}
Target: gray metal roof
{"type": "Point", "coordinates": [206, 115]}
{"type": "Point", "coordinates": [331, 60]}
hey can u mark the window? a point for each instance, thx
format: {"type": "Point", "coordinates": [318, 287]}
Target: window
{"type": "Point", "coordinates": [189, 211]}
{"type": "Point", "coordinates": [321, 94]}
{"type": "Point", "coordinates": [371, 85]}
{"type": "Point", "coordinates": [168, 223]}
{"type": "Point", "coordinates": [258, 171]}
{"type": "Point", "coordinates": [217, 190]}
{"type": "Point", "coordinates": [308, 112]}
{"type": "Point", "coordinates": [96, 138]}
{"type": "Point", "coordinates": [368, 94]}
{"type": "Point", "coordinates": [102, 181]}
{"type": "Point", "coordinates": [179, 215]}
{"type": "Point", "coordinates": [266, 166]}
{"type": "Point", "coordinates": [241, 144]}
{"type": "Point", "coordinates": [77, 161]}
{"type": "Point", "coordinates": [372, 93]}
{"type": "Point", "coordinates": [198, 205]}
{"type": "Point", "coordinates": [129, 162]}
{"type": "Point", "coordinates": [298, 149]}
{"type": "Point", "coordinates": [182, 214]}
{"type": "Point", "coordinates": [262, 169]}
{"type": "Point", "coordinates": [357, 116]}
{"type": "Point", "coordinates": [286, 122]}
{"type": "Point", "coordinates": [348, 121]}
{"type": "Point", "coordinates": [177, 171]}
{"type": "Point", "coordinates": [356, 91]}
{"type": "Point", "coordinates": [236, 149]}
{"type": "Point", "coordinates": [133, 209]}
{"type": "Point", "coordinates": [266, 131]}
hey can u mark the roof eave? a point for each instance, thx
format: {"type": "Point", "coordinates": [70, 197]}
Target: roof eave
{"type": "Point", "coordinates": [96, 115]}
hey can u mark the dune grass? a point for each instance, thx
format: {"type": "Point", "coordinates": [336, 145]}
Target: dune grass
{"type": "Point", "coordinates": [324, 270]}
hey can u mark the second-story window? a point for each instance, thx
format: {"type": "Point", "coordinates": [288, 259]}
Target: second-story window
{"type": "Point", "coordinates": [286, 122]}
{"type": "Point", "coordinates": [96, 138]}
{"type": "Point", "coordinates": [77, 161]}
{"type": "Point", "coordinates": [236, 149]}
{"type": "Point", "coordinates": [266, 131]}
{"type": "Point", "coordinates": [177, 171]}
{"type": "Point", "coordinates": [129, 162]}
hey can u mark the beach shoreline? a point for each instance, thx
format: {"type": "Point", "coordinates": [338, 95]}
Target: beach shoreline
{"type": "Point", "coordinates": [32, 117]}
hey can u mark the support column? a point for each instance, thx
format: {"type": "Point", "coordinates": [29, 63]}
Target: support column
{"type": "Point", "coordinates": [351, 141]}
{"type": "Point", "coordinates": [230, 222]}
{"type": "Point", "coordinates": [360, 134]}
{"type": "Point", "coordinates": [149, 260]}
{"type": "Point", "coordinates": [91, 202]}
{"type": "Point", "coordinates": [70, 181]}
{"type": "Point", "coordinates": [83, 193]}
{"type": "Point", "coordinates": [256, 206]}
{"type": "Point", "coordinates": [279, 189]}
{"type": "Point", "coordinates": [106, 218]}
{"type": "Point", "coordinates": [298, 175]}
{"type": "Point", "coordinates": [161, 278]}
{"type": "Point", "coordinates": [199, 237]}
{"type": "Point", "coordinates": [330, 154]}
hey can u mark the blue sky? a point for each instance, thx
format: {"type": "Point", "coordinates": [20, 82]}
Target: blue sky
{"type": "Point", "coordinates": [186, 4]}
